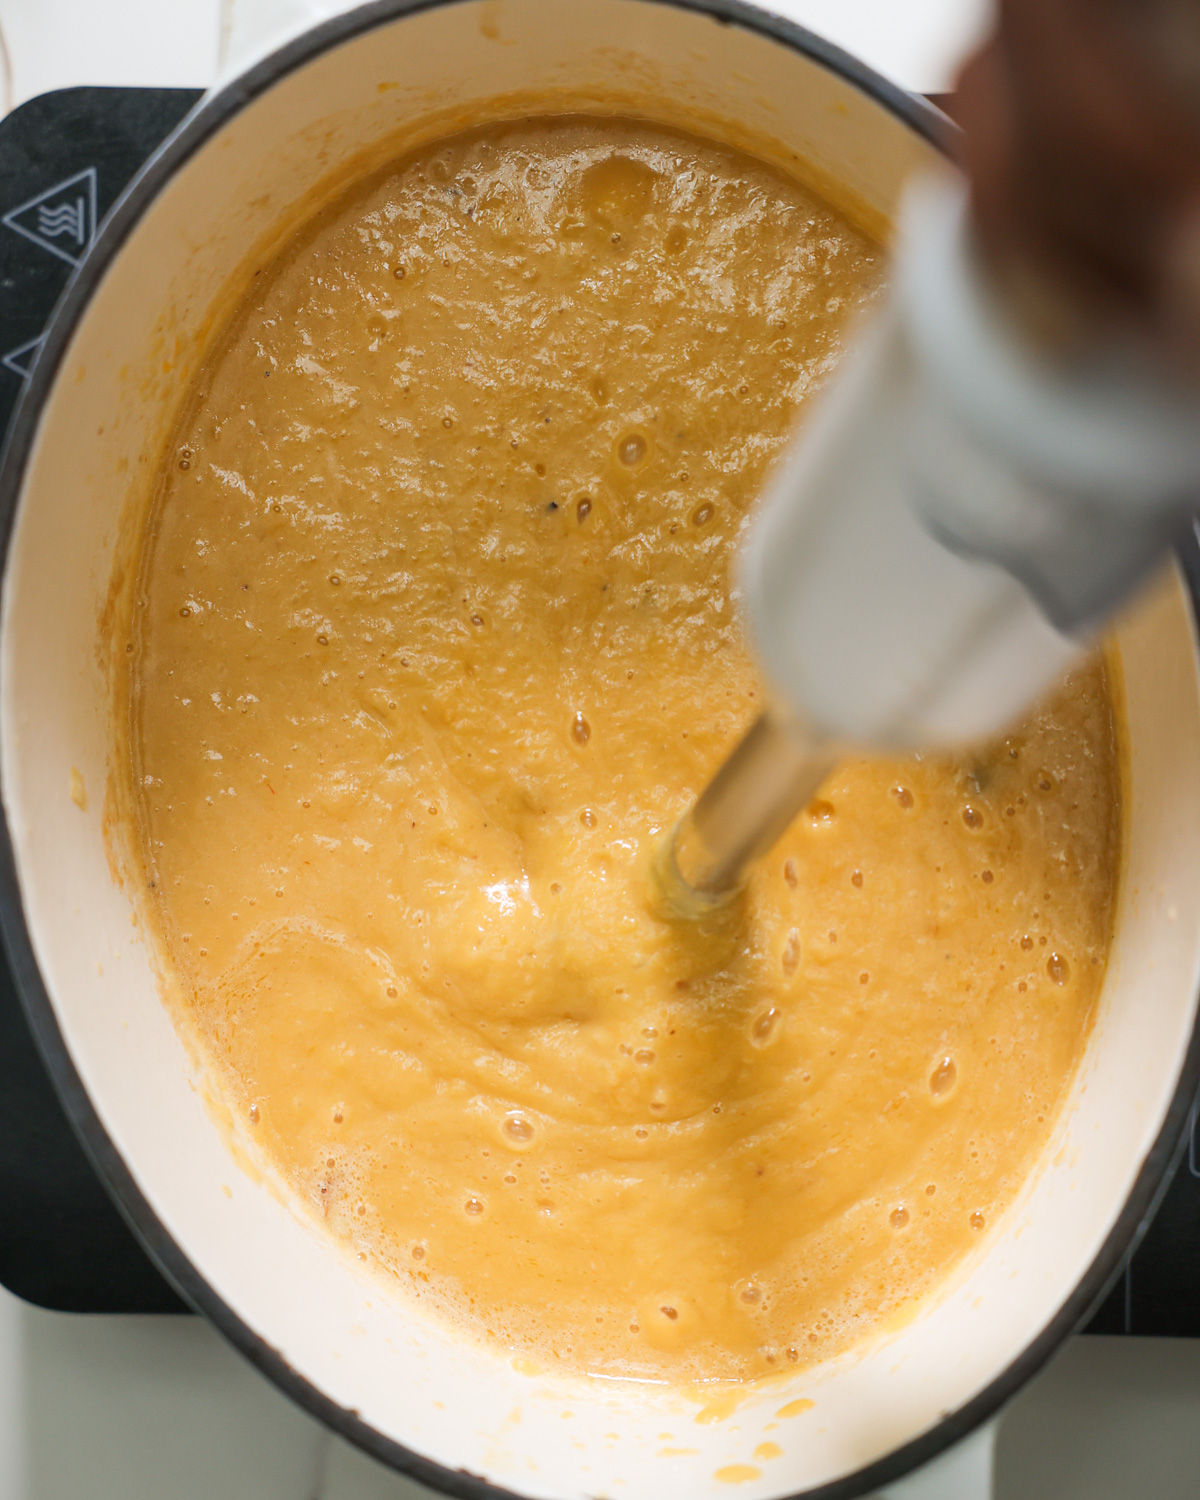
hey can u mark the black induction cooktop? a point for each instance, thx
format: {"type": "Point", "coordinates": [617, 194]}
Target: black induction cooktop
{"type": "Point", "coordinates": [64, 159]}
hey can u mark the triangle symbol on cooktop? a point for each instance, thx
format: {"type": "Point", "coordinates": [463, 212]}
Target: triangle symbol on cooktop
{"type": "Point", "coordinates": [61, 219]}
{"type": "Point", "coordinates": [20, 360]}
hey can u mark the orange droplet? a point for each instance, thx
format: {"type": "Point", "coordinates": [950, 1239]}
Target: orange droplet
{"type": "Point", "coordinates": [1058, 968]}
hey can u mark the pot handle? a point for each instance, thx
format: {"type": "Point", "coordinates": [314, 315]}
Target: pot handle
{"type": "Point", "coordinates": [965, 1473]}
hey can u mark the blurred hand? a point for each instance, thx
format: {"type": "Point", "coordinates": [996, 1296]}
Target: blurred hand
{"type": "Point", "coordinates": [1082, 140]}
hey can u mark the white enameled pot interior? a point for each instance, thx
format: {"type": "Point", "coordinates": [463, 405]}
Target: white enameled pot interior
{"type": "Point", "coordinates": [101, 429]}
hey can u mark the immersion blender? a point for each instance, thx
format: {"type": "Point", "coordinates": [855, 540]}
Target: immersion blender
{"type": "Point", "coordinates": [963, 510]}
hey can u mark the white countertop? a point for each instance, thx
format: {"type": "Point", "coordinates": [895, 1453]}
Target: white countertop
{"type": "Point", "coordinates": [56, 43]}
{"type": "Point", "coordinates": [159, 1408]}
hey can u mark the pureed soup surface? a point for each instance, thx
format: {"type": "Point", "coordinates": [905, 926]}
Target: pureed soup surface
{"type": "Point", "coordinates": [436, 640]}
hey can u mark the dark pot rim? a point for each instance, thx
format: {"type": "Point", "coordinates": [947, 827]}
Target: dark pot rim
{"type": "Point", "coordinates": [208, 117]}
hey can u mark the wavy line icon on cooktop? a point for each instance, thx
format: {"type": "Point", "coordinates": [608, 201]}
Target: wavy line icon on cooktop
{"type": "Point", "coordinates": [60, 219]}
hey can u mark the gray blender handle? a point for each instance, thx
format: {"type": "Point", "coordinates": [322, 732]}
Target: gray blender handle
{"type": "Point", "coordinates": [965, 508]}
{"type": "Point", "coordinates": [965, 1473]}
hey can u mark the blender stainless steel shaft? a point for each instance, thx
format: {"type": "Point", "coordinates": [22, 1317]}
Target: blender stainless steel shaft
{"type": "Point", "coordinates": [772, 774]}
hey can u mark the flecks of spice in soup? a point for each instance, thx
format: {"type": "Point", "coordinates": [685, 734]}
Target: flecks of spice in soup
{"type": "Point", "coordinates": [437, 638]}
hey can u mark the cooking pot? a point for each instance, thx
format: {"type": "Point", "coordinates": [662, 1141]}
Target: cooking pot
{"type": "Point", "coordinates": [126, 339]}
